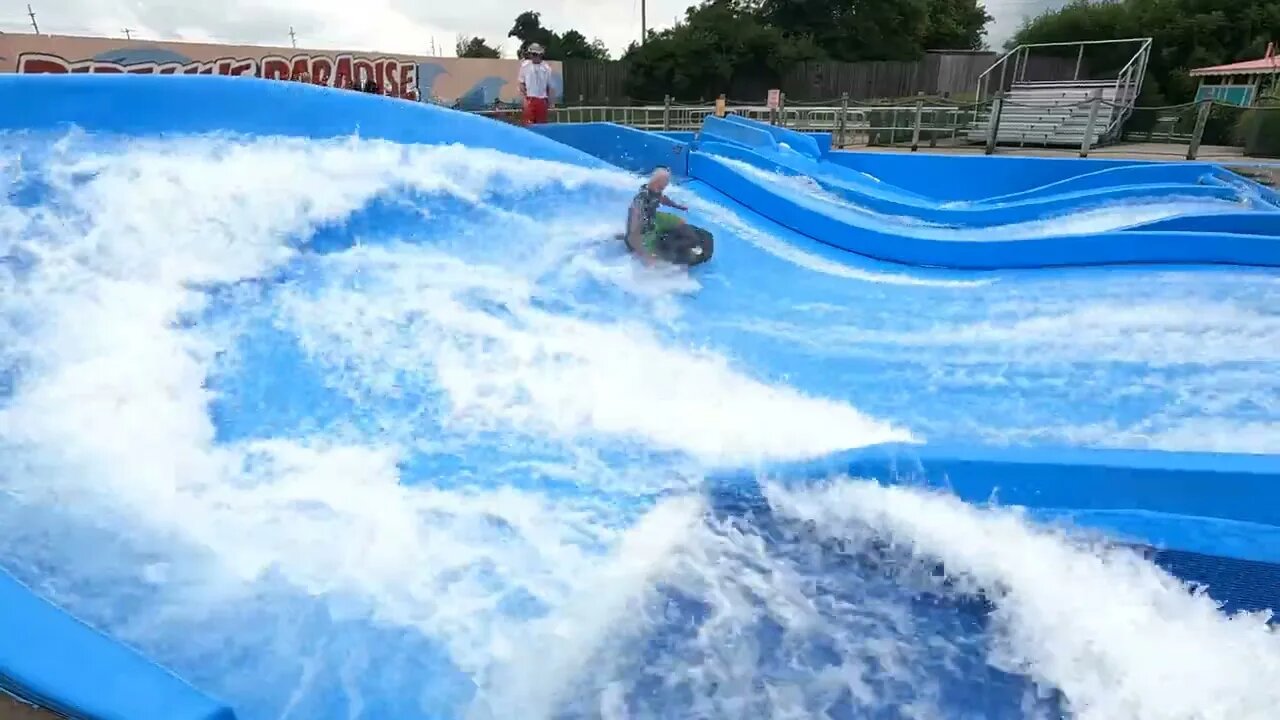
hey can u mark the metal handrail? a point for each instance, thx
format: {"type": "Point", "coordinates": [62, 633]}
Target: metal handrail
{"type": "Point", "coordinates": [1128, 86]}
{"type": "Point", "coordinates": [855, 123]}
{"type": "Point", "coordinates": [1021, 53]}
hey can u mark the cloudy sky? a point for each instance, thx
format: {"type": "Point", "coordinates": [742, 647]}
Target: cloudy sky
{"type": "Point", "coordinates": [408, 26]}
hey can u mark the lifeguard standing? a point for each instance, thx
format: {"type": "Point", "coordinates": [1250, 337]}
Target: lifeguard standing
{"type": "Point", "coordinates": [535, 86]}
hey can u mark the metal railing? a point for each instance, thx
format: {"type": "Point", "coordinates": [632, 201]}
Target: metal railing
{"type": "Point", "coordinates": [1012, 66]}
{"type": "Point", "coordinates": [1128, 86]}
{"type": "Point", "coordinates": [926, 122]}
{"type": "Point", "coordinates": [1125, 86]}
{"type": "Point", "coordinates": [850, 124]}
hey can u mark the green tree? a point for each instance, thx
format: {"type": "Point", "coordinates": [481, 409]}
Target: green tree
{"type": "Point", "coordinates": [956, 25]}
{"type": "Point", "coordinates": [853, 30]}
{"type": "Point", "coordinates": [743, 47]}
{"type": "Point", "coordinates": [571, 45]}
{"type": "Point", "coordinates": [475, 47]}
{"type": "Point", "coordinates": [1185, 34]}
{"type": "Point", "coordinates": [716, 43]}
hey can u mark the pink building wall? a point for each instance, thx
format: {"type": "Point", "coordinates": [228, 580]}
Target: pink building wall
{"type": "Point", "coordinates": [467, 81]}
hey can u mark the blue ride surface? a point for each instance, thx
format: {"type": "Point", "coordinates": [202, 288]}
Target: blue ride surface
{"type": "Point", "coordinates": [429, 447]}
{"type": "Point", "coordinates": [854, 210]}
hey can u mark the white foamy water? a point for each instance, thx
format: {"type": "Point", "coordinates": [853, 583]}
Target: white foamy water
{"type": "Point", "coordinates": [481, 476]}
{"type": "Point", "coordinates": [1100, 218]}
{"type": "Point", "coordinates": [1117, 635]}
{"type": "Point", "coordinates": [111, 409]}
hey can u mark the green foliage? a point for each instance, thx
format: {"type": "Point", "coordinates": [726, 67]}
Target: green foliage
{"type": "Point", "coordinates": [700, 56]}
{"type": "Point", "coordinates": [570, 45]}
{"type": "Point", "coordinates": [1259, 130]}
{"type": "Point", "coordinates": [725, 45]}
{"type": "Point", "coordinates": [956, 25]}
{"type": "Point", "coordinates": [476, 47]}
{"type": "Point", "coordinates": [1186, 34]}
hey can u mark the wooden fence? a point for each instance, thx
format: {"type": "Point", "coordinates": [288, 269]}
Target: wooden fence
{"type": "Point", "coordinates": [940, 74]}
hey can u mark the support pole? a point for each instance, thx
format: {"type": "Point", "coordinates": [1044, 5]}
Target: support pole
{"type": "Point", "coordinates": [843, 125]}
{"type": "Point", "coordinates": [1202, 119]}
{"type": "Point", "coordinates": [915, 126]}
{"type": "Point", "coordinates": [1094, 102]}
{"type": "Point", "coordinates": [993, 123]}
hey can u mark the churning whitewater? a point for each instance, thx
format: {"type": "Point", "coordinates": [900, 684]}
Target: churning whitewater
{"type": "Point", "coordinates": [350, 429]}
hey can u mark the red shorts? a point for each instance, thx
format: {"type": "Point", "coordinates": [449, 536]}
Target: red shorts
{"type": "Point", "coordinates": [535, 110]}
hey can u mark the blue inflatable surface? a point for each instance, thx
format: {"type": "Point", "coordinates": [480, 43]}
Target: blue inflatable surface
{"type": "Point", "coordinates": [53, 660]}
{"type": "Point", "coordinates": [341, 406]}
{"type": "Point", "coordinates": [838, 204]}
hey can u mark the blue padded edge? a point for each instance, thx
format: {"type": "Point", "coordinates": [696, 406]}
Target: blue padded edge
{"type": "Point", "coordinates": [51, 659]}
{"type": "Point", "coordinates": [891, 200]}
{"type": "Point", "coordinates": [1241, 488]}
{"type": "Point", "coordinates": [797, 141]}
{"type": "Point", "coordinates": [156, 105]}
{"type": "Point", "coordinates": [1245, 488]}
{"type": "Point", "coordinates": [726, 131]}
{"type": "Point", "coordinates": [836, 227]}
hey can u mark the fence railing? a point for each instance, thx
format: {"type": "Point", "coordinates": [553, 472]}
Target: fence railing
{"type": "Point", "coordinates": [928, 122]}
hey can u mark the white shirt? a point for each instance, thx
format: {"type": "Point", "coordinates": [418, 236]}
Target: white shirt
{"type": "Point", "coordinates": [536, 78]}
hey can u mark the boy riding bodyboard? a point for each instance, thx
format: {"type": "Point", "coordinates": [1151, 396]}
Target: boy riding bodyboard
{"type": "Point", "coordinates": [646, 226]}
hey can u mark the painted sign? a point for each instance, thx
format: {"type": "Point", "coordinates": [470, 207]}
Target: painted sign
{"type": "Point", "coordinates": [466, 82]}
{"type": "Point", "coordinates": [775, 99]}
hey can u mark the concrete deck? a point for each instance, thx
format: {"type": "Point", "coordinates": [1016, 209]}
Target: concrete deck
{"type": "Point", "coordinates": [14, 709]}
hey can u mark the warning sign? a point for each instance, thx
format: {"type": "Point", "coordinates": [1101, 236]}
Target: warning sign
{"type": "Point", "coordinates": [775, 99]}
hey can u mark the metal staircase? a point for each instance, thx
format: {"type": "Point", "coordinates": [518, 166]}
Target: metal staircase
{"type": "Point", "coordinates": [1052, 110]}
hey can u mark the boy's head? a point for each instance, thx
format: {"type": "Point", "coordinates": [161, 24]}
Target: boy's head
{"type": "Point", "coordinates": [660, 178]}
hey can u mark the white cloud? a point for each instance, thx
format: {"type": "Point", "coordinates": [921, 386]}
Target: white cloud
{"type": "Point", "coordinates": [407, 26]}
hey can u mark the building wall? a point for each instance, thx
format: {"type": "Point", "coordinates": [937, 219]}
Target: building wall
{"type": "Point", "coordinates": [469, 82]}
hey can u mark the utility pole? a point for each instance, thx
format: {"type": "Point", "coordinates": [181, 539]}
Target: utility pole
{"type": "Point", "coordinates": [32, 14]}
{"type": "Point", "coordinates": [293, 38]}
{"type": "Point", "coordinates": [644, 31]}
{"type": "Point", "coordinates": [127, 33]}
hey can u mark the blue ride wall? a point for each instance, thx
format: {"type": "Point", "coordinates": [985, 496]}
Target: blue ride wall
{"type": "Point", "coordinates": [983, 176]}
{"type": "Point", "coordinates": [625, 147]}
{"type": "Point", "coordinates": [1237, 487]}
{"type": "Point", "coordinates": [53, 660]}
{"type": "Point", "coordinates": [845, 229]}
{"type": "Point", "coordinates": [145, 105]}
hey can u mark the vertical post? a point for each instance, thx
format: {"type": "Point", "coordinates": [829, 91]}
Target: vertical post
{"type": "Point", "coordinates": [915, 126]}
{"type": "Point", "coordinates": [644, 28]}
{"type": "Point", "coordinates": [1202, 119]}
{"type": "Point", "coordinates": [782, 109]}
{"type": "Point", "coordinates": [666, 113]}
{"type": "Point", "coordinates": [1079, 62]}
{"type": "Point", "coordinates": [1095, 100]}
{"type": "Point", "coordinates": [1004, 66]}
{"type": "Point", "coordinates": [993, 123]}
{"type": "Point", "coordinates": [842, 125]}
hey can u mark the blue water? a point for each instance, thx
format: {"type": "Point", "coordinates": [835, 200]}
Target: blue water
{"type": "Point", "coordinates": [349, 429]}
